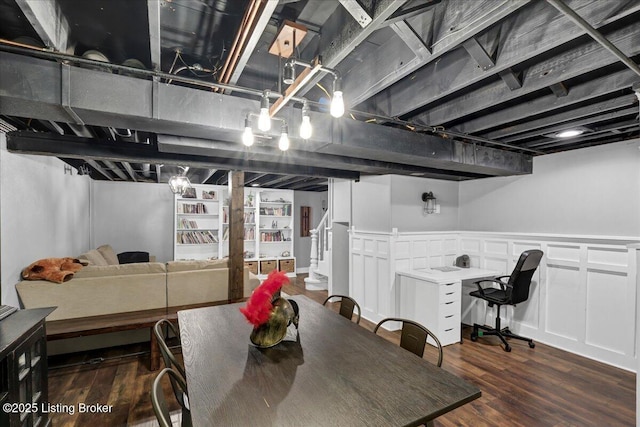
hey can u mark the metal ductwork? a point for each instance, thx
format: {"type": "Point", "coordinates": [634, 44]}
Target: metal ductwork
{"type": "Point", "coordinates": [212, 123]}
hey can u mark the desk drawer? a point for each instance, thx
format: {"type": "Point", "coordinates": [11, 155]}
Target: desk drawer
{"type": "Point", "coordinates": [448, 322]}
{"type": "Point", "coordinates": [449, 308]}
{"type": "Point", "coordinates": [450, 290]}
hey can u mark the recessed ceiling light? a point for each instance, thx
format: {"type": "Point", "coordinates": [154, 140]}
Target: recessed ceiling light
{"type": "Point", "coordinates": [569, 133]}
{"type": "Point", "coordinates": [255, 184]}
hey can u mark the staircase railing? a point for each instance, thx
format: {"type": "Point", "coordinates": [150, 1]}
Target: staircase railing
{"type": "Point", "coordinates": [319, 245]}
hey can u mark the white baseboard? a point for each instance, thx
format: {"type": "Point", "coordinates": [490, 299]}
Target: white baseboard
{"type": "Point", "coordinates": [304, 270]}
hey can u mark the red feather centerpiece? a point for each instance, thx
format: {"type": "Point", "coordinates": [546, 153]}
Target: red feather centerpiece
{"type": "Point", "coordinates": [259, 305]}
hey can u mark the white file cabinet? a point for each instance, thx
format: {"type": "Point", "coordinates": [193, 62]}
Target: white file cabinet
{"type": "Point", "coordinates": [434, 305]}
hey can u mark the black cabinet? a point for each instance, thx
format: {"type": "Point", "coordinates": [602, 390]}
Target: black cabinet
{"type": "Point", "coordinates": [23, 368]}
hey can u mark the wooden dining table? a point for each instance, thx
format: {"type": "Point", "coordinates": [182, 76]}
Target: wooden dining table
{"type": "Point", "coordinates": [336, 373]}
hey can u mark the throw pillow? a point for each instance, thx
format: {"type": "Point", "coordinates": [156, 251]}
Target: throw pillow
{"type": "Point", "coordinates": [94, 257]}
{"type": "Point", "coordinates": [108, 254]}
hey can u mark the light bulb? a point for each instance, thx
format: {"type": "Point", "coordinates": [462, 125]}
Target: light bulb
{"type": "Point", "coordinates": [264, 121]}
{"type": "Point", "coordinates": [337, 104]}
{"type": "Point", "coordinates": [305, 128]}
{"type": "Point", "coordinates": [283, 144]}
{"type": "Point", "coordinates": [247, 136]}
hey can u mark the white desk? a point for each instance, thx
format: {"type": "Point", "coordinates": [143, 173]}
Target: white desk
{"type": "Point", "coordinates": [434, 298]}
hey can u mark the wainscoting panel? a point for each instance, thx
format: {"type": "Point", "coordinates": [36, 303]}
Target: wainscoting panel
{"type": "Point", "coordinates": [563, 302]}
{"type": "Point", "coordinates": [582, 297]}
{"type": "Point", "coordinates": [606, 293]}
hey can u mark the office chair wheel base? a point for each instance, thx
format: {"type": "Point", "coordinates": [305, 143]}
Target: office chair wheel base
{"type": "Point", "coordinates": [507, 348]}
{"type": "Point", "coordinates": [532, 345]}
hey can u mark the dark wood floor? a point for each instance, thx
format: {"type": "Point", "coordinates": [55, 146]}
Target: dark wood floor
{"type": "Point", "coordinates": [527, 387]}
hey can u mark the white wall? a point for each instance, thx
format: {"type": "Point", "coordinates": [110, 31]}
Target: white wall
{"type": "Point", "coordinates": [370, 203]}
{"type": "Point", "coordinates": [44, 213]}
{"type": "Point", "coordinates": [407, 206]}
{"type": "Point", "coordinates": [592, 191]}
{"type": "Point", "coordinates": [302, 245]}
{"type": "Point", "coordinates": [340, 199]}
{"type": "Point", "coordinates": [133, 216]}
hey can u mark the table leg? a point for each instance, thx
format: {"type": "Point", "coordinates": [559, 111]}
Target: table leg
{"type": "Point", "coordinates": [154, 356]}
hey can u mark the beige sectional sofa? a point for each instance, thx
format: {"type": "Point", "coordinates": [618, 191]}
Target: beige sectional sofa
{"type": "Point", "coordinates": [117, 288]}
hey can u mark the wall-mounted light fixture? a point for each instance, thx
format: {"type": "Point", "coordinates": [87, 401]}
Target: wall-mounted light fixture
{"type": "Point", "coordinates": [429, 203]}
{"type": "Point", "coordinates": [180, 183]}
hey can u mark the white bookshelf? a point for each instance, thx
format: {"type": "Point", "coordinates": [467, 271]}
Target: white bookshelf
{"type": "Point", "coordinates": [201, 227]}
{"type": "Point", "coordinates": [197, 224]}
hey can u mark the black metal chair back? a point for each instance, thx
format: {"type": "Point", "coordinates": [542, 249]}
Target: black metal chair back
{"type": "Point", "coordinates": [347, 306]}
{"type": "Point", "coordinates": [159, 402]}
{"type": "Point", "coordinates": [413, 337]}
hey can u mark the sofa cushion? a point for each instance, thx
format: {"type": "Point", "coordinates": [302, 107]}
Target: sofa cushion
{"type": "Point", "coordinates": [93, 257]}
{"type": "Point", "coordinates": [108, 254]}
{"type": "Point", "coordinates": [120, 269]}
{"type": "Point", "coordinates": [204, 264]}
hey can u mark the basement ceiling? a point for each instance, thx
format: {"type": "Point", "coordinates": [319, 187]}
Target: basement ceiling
{"type": "Point", "coordinates": [449, 89]}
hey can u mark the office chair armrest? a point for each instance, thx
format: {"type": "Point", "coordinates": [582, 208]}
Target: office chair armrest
{"type": "Point", "coordinates": [503, 285]}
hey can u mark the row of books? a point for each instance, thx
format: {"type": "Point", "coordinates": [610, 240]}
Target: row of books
{"type": "Point", "coordinates": [196, 237]}
{"type": "Point", "coordinates": [192, 208]}
{"type": "Point", "coordinates": [276, 211]}
{"type": "Point", "coordinates": [184, 223]}
{"type": "Point", "coordinates": [272, 236]}
{"type": "Point", "coordinates": [249, 217]}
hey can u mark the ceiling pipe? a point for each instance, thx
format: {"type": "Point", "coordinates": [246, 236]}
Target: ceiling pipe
{"type": "Point", "coordinates": [240, 40]}
{"type": "Point", "coordinates": [595, 34]}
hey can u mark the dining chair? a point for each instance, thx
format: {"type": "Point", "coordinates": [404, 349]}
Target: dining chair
{"type": "Point", "coordinates": [414, 336]}
{"type": "Point", "coordinates": [171, 362]}
{"type": "Point", "coordinates": [159, 402]}
{"type": "Point", "coordinates": [347, 306]}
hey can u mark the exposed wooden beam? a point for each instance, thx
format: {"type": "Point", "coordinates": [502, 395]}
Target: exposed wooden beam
{"type": "Point", "coordinates": [564, 115]}
{"type": "Point", "coordinates": [236, 235]}
{"type": "Point", "coordinates": [347, 37]}
{"type": "Point", "coordinates": [412, 40]}
{"type": "Point", "coordinates": [99, 168]}
{"type": "Point", "coordinates": [580, 93]}
{"type": "Point", "coordinates": [153, 12]}
{"type": "Point", "coordinates": [410, 12]}
{"type": "Point", "coordinates": [47, 20]}
{"type": "Point", "coordinates": [433, 81]}
{"type": "Point", "coordinates": [562, 66]}
{"type": "Point", "coordinates": [376, 72]}
{"type": "Point", "coordinates": [130, 171]}
{"type": "Point", "coordinates": [358, 12]}
{"type": "Point", "coordinates": [559, 89]}
{"type": "Point", "coordinates": [477, 52]}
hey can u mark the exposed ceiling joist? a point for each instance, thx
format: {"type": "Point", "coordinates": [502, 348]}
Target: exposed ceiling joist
{"type": "Point", "coordinates": [377, 73]}
{"type": "Point", "coordinates": [48, 21]}
{"type": "Point", "coordinates": [153, 11]}
{"type": "Point", "coordinates": [456, 71]}
{"type": "Point", "coordinates": [558, 68]}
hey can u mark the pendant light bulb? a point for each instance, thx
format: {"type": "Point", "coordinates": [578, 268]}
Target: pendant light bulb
{"type": "Point", "coordinates": [337, 103]}
{"type": "Point", "coordinates": [247, 135]}
{"type": "Point", "coordinates": [283, 144]}
{"type": "Point", "coordinates": [264, 120]}
{"type": "Point", "coordinates": [305, 127]}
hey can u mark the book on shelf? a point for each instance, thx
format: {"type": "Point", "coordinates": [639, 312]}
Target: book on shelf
{"type": "Point", "coordinates": [192, 208]}
{"type": "Point", "coordinates": [276, 210]}
{"type": "Point", "coordinates": [196, 237]}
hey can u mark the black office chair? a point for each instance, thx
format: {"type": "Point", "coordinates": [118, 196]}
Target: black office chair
{"type": "Point", "coordinates": [513, 292]}
{"type": "Point", "coordinates": [414, 337]}
{"type": "Point", "coordinates": [158, 400]}
{"type": "Point", "coordinates": [347, 305]}
{"type": "Point", "coordinates": [171, 362]}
